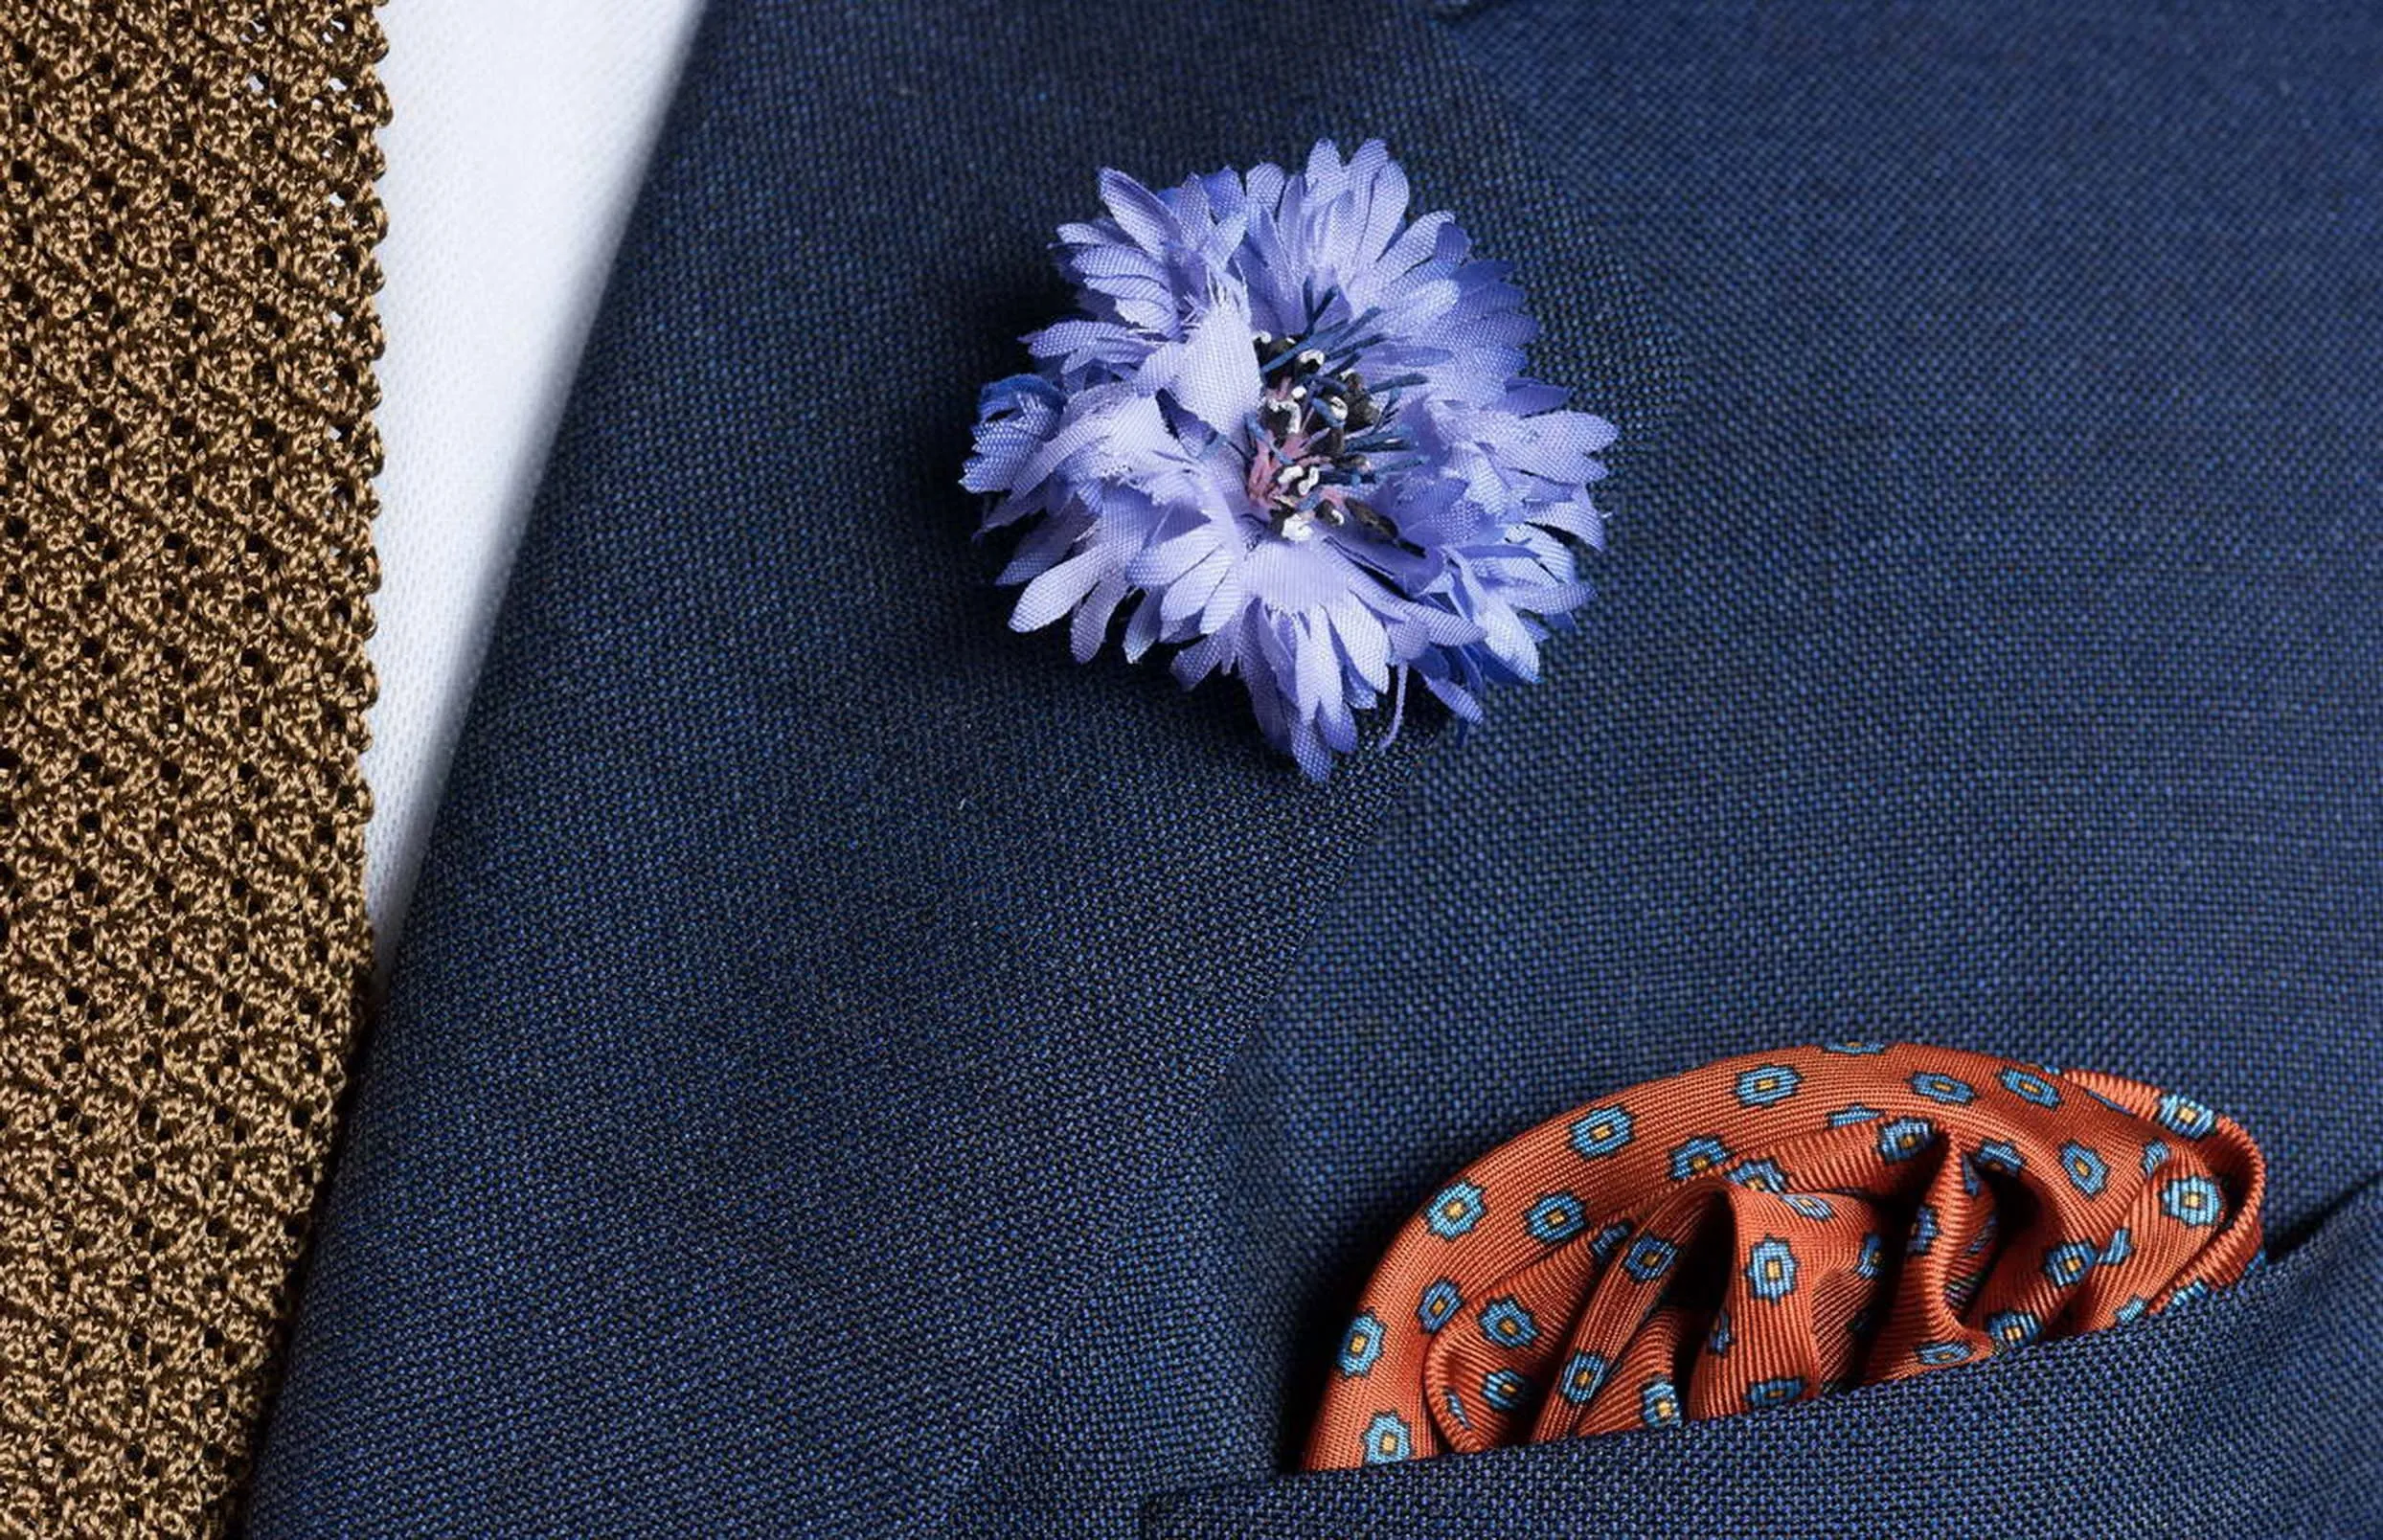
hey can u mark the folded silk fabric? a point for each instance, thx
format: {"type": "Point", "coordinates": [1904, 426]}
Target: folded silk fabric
{"type": "Point", "coordinates": [1779, 1227]}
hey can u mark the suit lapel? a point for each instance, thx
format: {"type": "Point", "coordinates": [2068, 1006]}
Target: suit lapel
{"type": "Point", "coordinates": [809, 977]}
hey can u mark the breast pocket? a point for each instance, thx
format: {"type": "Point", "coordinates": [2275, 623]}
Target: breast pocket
{"type": "Point", "coordinates": [2257, 1411]}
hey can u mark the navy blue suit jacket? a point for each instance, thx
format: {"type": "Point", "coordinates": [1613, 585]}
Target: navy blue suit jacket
{"type": "Point", "coordinates": [851, 1072]}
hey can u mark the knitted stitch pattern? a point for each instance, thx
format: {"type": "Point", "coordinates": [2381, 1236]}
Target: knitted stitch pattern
{"type": "Point", "coordinates": [187, 222]}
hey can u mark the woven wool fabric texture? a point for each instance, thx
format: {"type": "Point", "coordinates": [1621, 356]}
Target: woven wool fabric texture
{"type": "Point", "coordinates": [849, 1072]}
{"type": "Point", "coordinates": [186, 228]}
{"type": "Point", "coordinates": [963, 885]}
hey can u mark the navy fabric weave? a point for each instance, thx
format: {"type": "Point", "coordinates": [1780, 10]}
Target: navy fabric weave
{"type": "Point", "coordinates": [851, 1072]}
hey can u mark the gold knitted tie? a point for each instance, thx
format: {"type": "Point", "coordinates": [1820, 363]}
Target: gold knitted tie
{"type": "Point", "coordinates": [187, 221]}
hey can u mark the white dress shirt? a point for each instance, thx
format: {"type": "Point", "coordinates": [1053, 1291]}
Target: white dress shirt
{"type": "Point", "coordinates": [520, 132]}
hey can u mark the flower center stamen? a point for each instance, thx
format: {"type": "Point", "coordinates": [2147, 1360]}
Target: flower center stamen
{"type": "Point", "coordinates": [1317, 432]}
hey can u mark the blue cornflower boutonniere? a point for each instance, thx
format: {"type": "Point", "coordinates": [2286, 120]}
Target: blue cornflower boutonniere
{"type": "Point", "coordinates": [1289, 432]}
